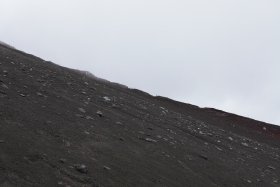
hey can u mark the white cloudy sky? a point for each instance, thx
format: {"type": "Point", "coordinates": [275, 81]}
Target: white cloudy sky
{"type": "Point", "coordinates": [219, 53]}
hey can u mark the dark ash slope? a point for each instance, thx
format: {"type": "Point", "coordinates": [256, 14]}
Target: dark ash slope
{"type": "Point", "coordinates": [59, 127]}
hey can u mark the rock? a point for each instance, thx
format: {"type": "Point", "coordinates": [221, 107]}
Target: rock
{"type": "Point", "coordinates": [219, 148]}
{"type": "Point", "coordinates": [22, 95]}
{"type": "Point", "coordinates": [4, 86]}
{"type": "Point", "coordinates": [89, 118]}
{"type": "Point", "coordinates": [60, 183]}
{"type": "Point", "coordinates": [245, 144]}
{"type": "Point", "coordinates": [99, 113]}
{"type": "Point", "coordinates": [114, 106]}
{"type": "Point", "coordinates": [121, 139]}
{"type": "Point", "coordinates": [249, 181]}
{"type": "Point", "coordinates": [82, 110]}
{"type": "Point", "coordinates": [203, 157]}
{"type": "Point", "coordinates": [81, 168]}
{"type": "Point", "coordinates": [62, 160]}
{"type": "Point", "coordinates": [2, 94]}
{"type": "Point", "coordinates": [107, 99]}
{"type": "Point", "coordinates": [230, 138]}
{"type": "Point", "coordinates": [39, 94]}
{"type": "Point", "coordinates": [271, 167]}
{"type": "Point", "coordinates": [2, 141]}
{"type": "Point", "coordinates": [150, 140]}
{"type": "Point", "coordinates": [79, 115]}
{"type": "Point", "coordinates": [106, 168]}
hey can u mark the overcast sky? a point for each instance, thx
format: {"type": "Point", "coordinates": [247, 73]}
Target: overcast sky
{"type": "Point", "coordinates": [219, 53]}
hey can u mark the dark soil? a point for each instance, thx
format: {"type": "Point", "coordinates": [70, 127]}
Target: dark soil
{"type": "Point", "coordinates": [63, 127]}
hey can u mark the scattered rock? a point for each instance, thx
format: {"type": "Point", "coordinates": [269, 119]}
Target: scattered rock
{"type": "Point", "coordinates": [106, 168]}
{"type": "Point", "coordinates": [82, 110]}
{"type": "Point", "coordinates": [89, 118]}
{"type": "Point", "coordinates": [2, 94]}
{"type": "Point", "coordinates": [62, 160]}
{"type": "Point", "coordinates": [4, 86]}
{"type": "Point", "coordinates": [249, 181]}
{"type": "Point", "coordinates": [22, 95]}
{"type": "Point", "coordinates": [60, 183]}
{"type": "Point", "coordinates": [245, 144]}
{"type": "Point", "coordinates": [81, 168]}
{"type": "Point", "coordinates": [40, 94]}
{"type": "Point", "coordinates": [99, 113]}
{"type": "Point", "coordinates": [271, 167]}
{"type": "Point", "coordinates": [79, 115]}
{"type": "Point", "coordinates": [150, 140]}
{"type": "Point", "coordinates": [114, 106]}
{"type": "Point", "coordinates": [219, 148]}
{"type": "Point", "coordinates": [107, 99]}
{"type": "Point", "coordinates": [203, 157]}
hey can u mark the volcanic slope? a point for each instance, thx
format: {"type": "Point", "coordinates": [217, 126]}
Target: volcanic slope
{"type": "Point", "coordinates": [64, 127]}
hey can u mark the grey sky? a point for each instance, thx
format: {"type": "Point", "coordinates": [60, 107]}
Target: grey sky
{"type": "Point", "coordinates": [219, 53]}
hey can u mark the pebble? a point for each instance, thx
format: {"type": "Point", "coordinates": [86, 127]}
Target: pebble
{"type": "Point", "coordinates": [22, 95]}
{"type": "Point", "coordinates": [245, 144]}
{"type": "Point", "coordinates": [81, 168]}
{"type": "Point", "coordinates": [150, 140]}
{"type": "Point", "coordinates": [219, 148]}
{"type": "Point", "coordinates": [203, 157]}
{"type": "Point", "coordinates": [106, 168]}
{"type": "Point", "coordinates": [89, 118]}
{"type": "Point", "coordinates": [106, 98]}
{"type": "Point", "coordinates": [82, 110]}
{"type": "Point", "coordinates": [39, 94]}
{"type": "Point", "coordinates": [4, 86]}
{"type": "Point", "coordinates": [99, 113]}
{"type": "Point", "coordinates": [62, 160]}
{"type": "Point", "coordinates": [271, 167]}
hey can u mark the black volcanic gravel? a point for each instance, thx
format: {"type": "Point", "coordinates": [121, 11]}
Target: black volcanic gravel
{"type": "Point", "coordinates": [64, 127]}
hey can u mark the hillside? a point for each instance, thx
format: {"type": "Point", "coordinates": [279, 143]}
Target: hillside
{"type": "Point", "coordinates": [63, 127]}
